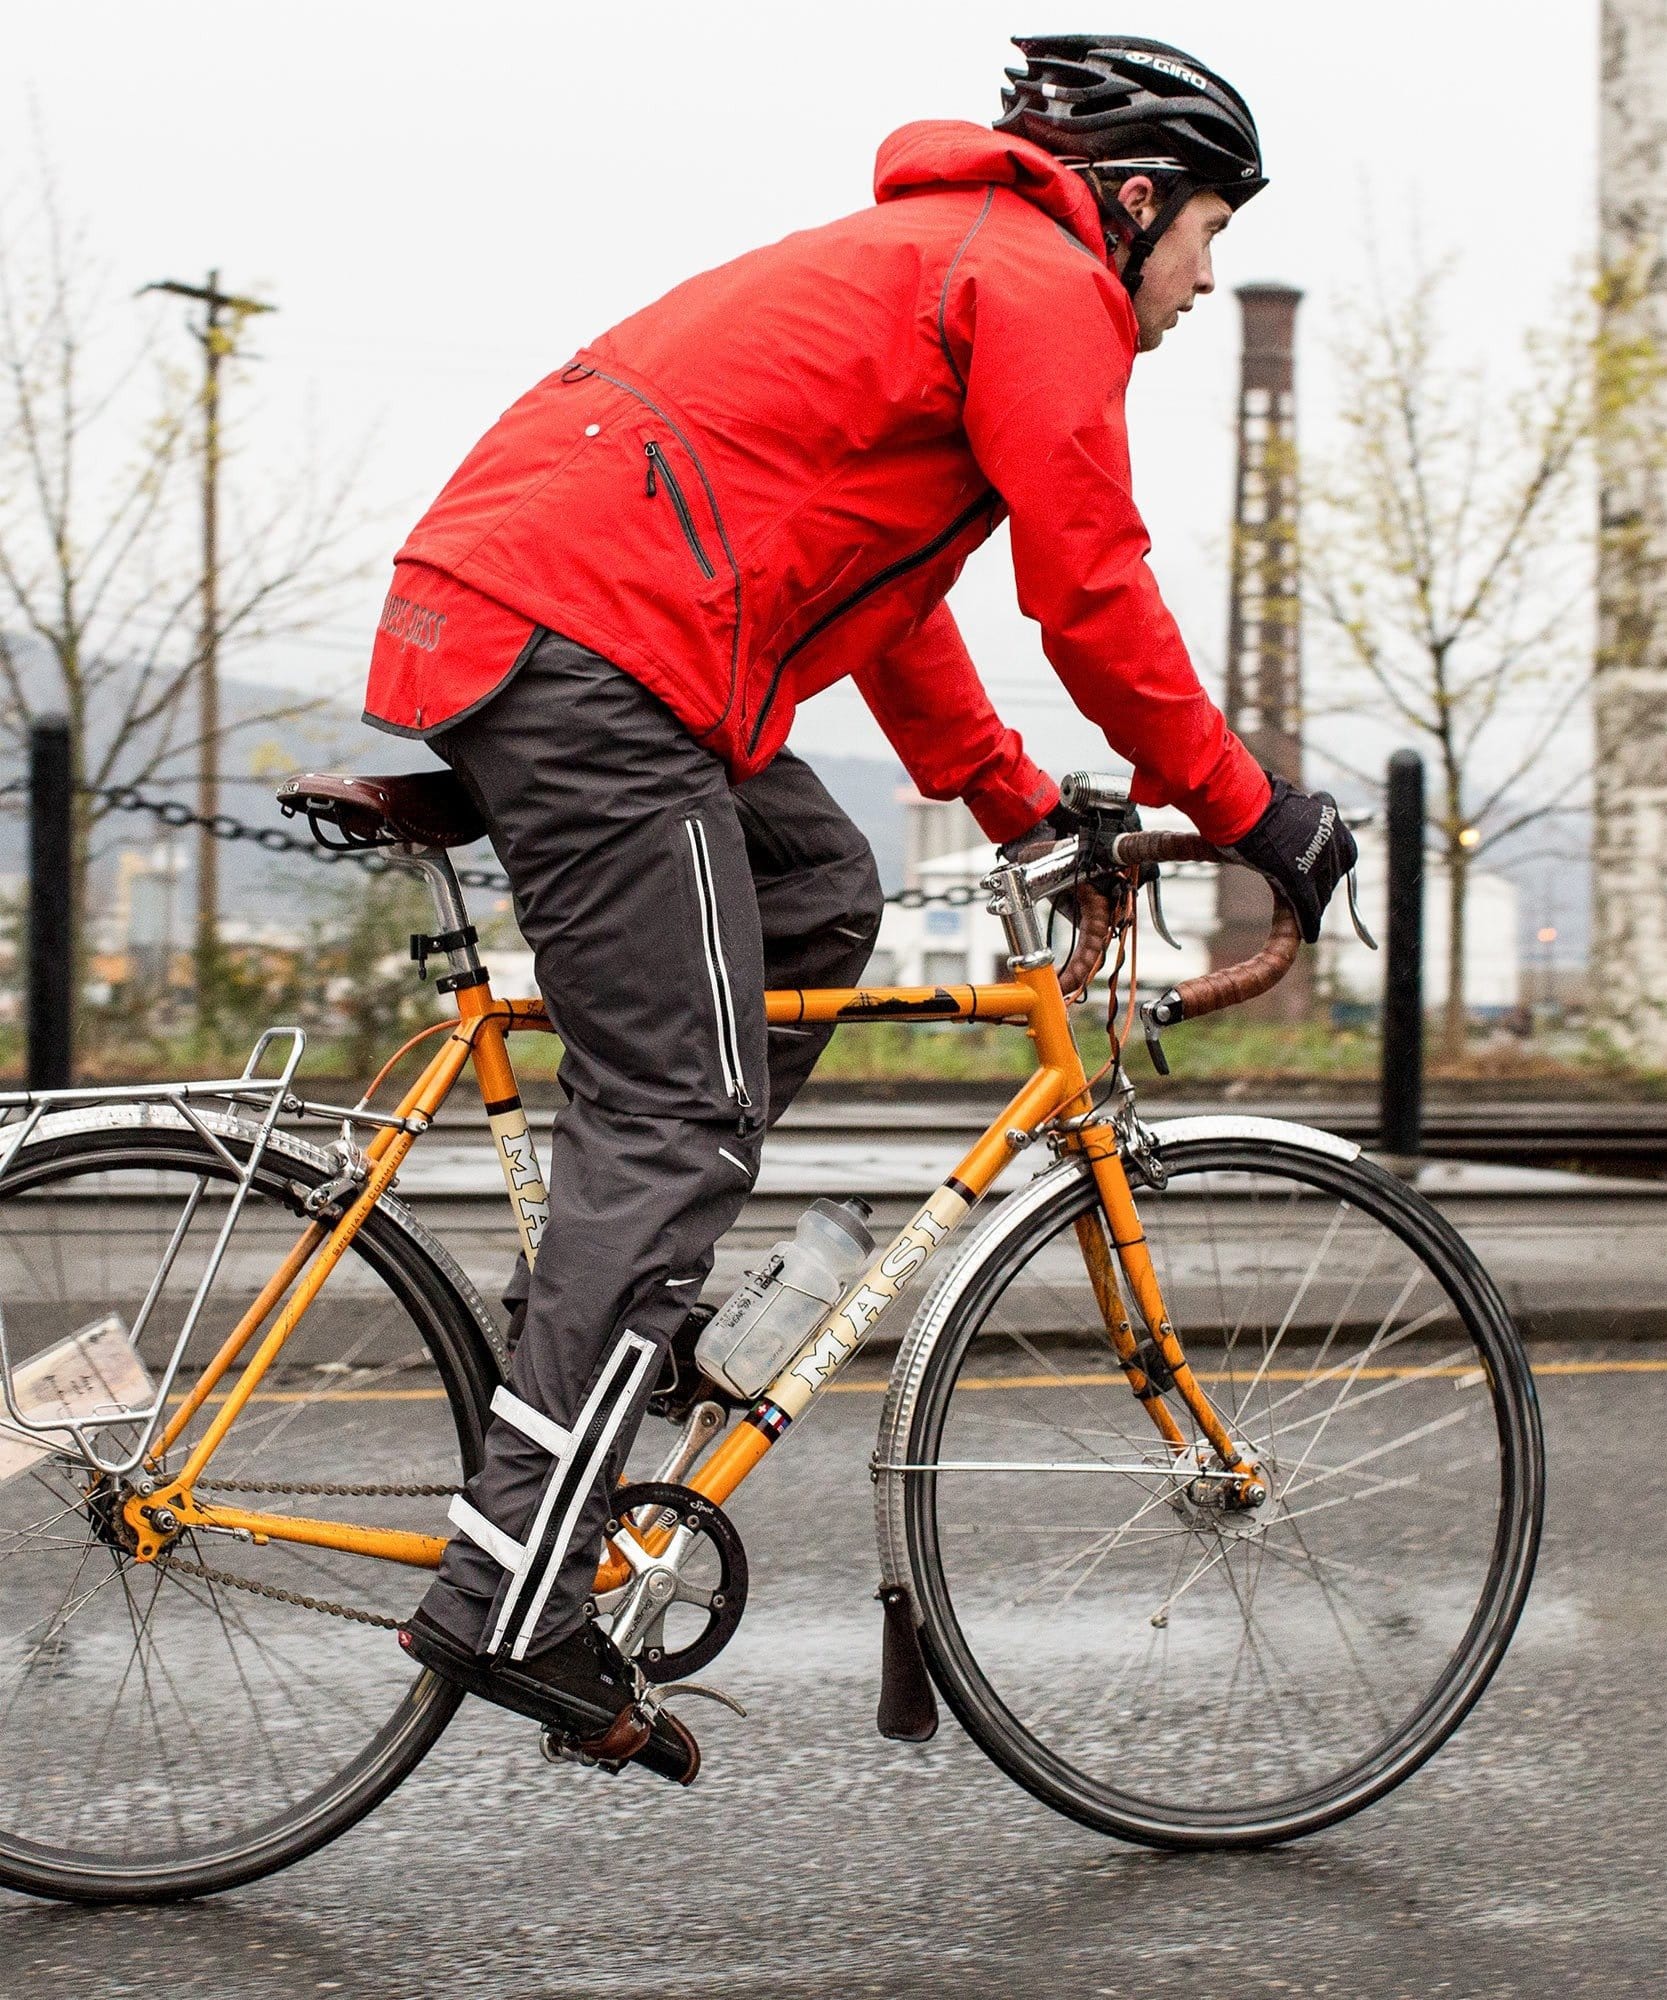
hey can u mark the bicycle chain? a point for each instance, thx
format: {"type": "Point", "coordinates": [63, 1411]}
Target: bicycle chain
{"type": "Point", "coordinates": [324, 1489]}
{"type": "Point", "coordinates": [317, 1489]}
{"type": "Point", "coordinates": [350, 1611]}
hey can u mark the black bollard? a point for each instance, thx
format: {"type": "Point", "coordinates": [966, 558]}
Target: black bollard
{"type": "Point", "coordinates": [51, 947]}
{"type": "Point", "coordinates": [1401, 1079]}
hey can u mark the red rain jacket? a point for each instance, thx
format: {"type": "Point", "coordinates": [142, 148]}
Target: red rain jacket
{"type": "Point", "coordinates": [770, 478]}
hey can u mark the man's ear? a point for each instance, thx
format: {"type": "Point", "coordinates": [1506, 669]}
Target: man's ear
{"type": "Point", "coordinates": [1139, 197]}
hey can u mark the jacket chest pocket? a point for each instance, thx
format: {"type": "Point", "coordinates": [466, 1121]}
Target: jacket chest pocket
{"type": "Point", "coordinates": [662, 481]}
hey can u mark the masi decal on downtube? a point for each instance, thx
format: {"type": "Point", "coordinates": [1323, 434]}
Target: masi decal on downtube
{"type": "Point", "coordinates": [523, 1176]}
{"type": "Point", "coordinates": [845, 1329]}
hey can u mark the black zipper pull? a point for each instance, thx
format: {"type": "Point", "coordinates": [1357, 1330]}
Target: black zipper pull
{"type": "Point", "coordinates": [651, 451]}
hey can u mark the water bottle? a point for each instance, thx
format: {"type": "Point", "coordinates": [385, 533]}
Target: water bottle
{"type": "Point", "coordinates": [764, 1322]}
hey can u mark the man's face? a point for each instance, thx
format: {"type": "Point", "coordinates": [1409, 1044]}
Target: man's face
{"type": "Point", "coordinates": [1178, 270]}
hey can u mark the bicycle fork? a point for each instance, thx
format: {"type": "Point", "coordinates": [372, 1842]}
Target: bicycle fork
{"type": "Point", "coordinates": [1157, 1364]}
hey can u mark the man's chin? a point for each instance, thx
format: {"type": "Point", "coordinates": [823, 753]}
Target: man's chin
{"type": "Point", "coordinates": [1151, 337]}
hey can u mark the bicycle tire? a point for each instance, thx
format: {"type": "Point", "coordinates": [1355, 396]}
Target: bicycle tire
{"type": "Point", "coordinates": [1094, 1785]}
{"type": "Point", "coordinates": [456, 1348]}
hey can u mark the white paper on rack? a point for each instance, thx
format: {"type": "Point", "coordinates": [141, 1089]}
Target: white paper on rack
{"type": "Point", "coordinates": [94, 1373]}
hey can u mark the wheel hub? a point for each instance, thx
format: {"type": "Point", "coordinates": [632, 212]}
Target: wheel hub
{"type": "Point", "coordinates": [1229, 1507]}
{"type": "Point", "coordinates": [106, 1514]}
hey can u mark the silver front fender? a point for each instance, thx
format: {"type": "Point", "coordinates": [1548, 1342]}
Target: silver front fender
{"type": "Point", "coordinates": [988, 1240]}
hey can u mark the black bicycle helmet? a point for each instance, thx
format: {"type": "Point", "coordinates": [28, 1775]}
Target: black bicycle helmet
{"type": "Point", "coordinates": [1120, 102]}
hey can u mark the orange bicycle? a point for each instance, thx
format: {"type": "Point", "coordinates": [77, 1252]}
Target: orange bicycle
{"type": "Point", "coordinates": [1209, 1520]}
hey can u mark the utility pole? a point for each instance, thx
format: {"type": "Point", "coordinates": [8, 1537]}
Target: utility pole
{"type": "Point", "coordinates": [1264, 627]}
{"type": "Point", "coordinates": [222, 321]}
{"type": "Point", "coordinates": [1630, 686]}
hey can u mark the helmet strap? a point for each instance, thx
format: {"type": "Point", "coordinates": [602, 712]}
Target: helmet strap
{"type": "Point", "coordinates": [1143, 242]}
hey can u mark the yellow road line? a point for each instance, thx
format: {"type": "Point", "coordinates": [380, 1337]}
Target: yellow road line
{"type": "Point", "coordinates": [1112, 1375]}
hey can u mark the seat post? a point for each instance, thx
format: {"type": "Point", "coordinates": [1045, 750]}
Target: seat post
{"type": "Point", "coordinates": [450, 912]}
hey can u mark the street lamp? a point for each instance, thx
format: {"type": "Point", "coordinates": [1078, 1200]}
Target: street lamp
{"type": "Point", "coordinates": [1547, 936]}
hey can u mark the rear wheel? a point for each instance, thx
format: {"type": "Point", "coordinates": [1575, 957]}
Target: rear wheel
{"type": "Point", "coordinates": [188, 1724]}
{"type": "Point", "coordinates": [1112, 1631]}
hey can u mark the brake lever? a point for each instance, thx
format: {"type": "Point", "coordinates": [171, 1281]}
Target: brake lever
{"type": "Point", "coordinates": [1355, 918]}
{"type": "Point", "coordinates": [1154, 905]}
{"type": "Point", "coordinates": [1156, 1015]}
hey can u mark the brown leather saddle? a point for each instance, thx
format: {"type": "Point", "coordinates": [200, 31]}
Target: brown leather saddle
{"type": "Point", "coordinates": [421, 809]}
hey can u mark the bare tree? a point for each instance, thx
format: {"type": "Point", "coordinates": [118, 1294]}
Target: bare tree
{"type": "Point", "coordinates": [100, 582]}
{"type": "Point", "coordinates": [1445, 553]}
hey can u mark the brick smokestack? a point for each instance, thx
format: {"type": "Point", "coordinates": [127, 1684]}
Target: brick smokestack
{"type": "Point", "coordinates": [1264, 625]}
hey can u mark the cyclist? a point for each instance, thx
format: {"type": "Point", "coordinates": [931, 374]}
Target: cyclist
{"type": "Point", "coordinates": [764, 482]}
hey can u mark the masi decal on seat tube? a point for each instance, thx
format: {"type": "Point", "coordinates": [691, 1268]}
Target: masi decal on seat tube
{"type": "Point", "coordinates": [523, 1177]}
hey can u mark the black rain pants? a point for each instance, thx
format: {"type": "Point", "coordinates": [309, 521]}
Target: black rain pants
{"type": "Point", "coordinates": [659, 902]}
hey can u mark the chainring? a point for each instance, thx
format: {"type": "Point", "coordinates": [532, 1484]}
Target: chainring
{"type": "Point", "coordinates": [681, 1507]}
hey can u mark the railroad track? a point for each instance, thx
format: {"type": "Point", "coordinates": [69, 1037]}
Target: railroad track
{"type": "Point", "coordinates": [1581, 1134]}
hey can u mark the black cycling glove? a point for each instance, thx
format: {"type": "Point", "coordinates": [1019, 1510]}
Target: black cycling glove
{"type": "Point", "coordinates": [1056, 825]}
{"type": "Point", "coordinates": [1301, 844]}
{"type": "Point", "coordinates": [1060, 823]}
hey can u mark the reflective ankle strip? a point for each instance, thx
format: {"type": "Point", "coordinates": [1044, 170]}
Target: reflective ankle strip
{"type": "Point", "coordinates": [472, 1522]}
{"type": "Point", "coordinates": [531, 1423]}
{"type": "Point", "coordinates": [576, 1456]}
{"type": "Point", "coordinates": [501, 1547]}
{"type": "Point", "coordinates": [519, 1557]}
{"type": "Point", "coordinates": [598, 1433]}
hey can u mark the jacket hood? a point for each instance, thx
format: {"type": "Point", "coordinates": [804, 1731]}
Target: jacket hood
{"type": "Point", "coordinates": [950, 152]}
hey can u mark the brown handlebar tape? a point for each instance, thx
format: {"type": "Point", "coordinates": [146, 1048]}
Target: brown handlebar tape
{"type": "Point", "coordinates": [1233, 984]}
{"type": "Point", "coordinates": [1135, 850]}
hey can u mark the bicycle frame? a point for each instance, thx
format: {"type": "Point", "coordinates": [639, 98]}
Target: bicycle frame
{"type": "Point", "coordinates": [1054, 1103]}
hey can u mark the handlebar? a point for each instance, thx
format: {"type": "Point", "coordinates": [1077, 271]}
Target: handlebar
{"type": "Point", "coordinates": [1233, 984]}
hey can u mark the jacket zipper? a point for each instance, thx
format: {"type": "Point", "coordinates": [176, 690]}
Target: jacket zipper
{"type": "Point", "coordinates": [878, 581]}
{"type": "Point", "coordinates": [659, 468]}
{"type": "Point", "coordinates": [717, 972]}
{"type": "Point", "coordinates": [717, 522]}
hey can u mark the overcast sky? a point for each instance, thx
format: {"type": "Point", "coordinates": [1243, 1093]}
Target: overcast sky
{"type": "Point", "coordinates": [445, 201]}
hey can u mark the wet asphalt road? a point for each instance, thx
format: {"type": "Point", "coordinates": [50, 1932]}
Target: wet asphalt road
{"type": "Point", "coordinates": [813, 1859]}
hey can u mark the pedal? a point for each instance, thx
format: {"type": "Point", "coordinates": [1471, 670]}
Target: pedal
{"type": "Point", "coordinates": [555, 1746]}
{"type": "Point", "coordinates": [609, 1751]}
{"type": "Point", "coordinates": [680, 1386]}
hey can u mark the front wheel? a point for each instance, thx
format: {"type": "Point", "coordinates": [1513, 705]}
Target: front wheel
{"type": "Point", "coordinates": [1121, 1639]}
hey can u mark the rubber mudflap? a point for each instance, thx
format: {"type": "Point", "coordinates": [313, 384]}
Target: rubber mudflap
{"type": "Point", "coordinates": [908, 1711]}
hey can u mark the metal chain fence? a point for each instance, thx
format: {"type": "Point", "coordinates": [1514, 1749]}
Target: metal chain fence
{"type": "Point", "coordinates": [274, 840]}
{"type": "Point", "coordinates": [361, 999]}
